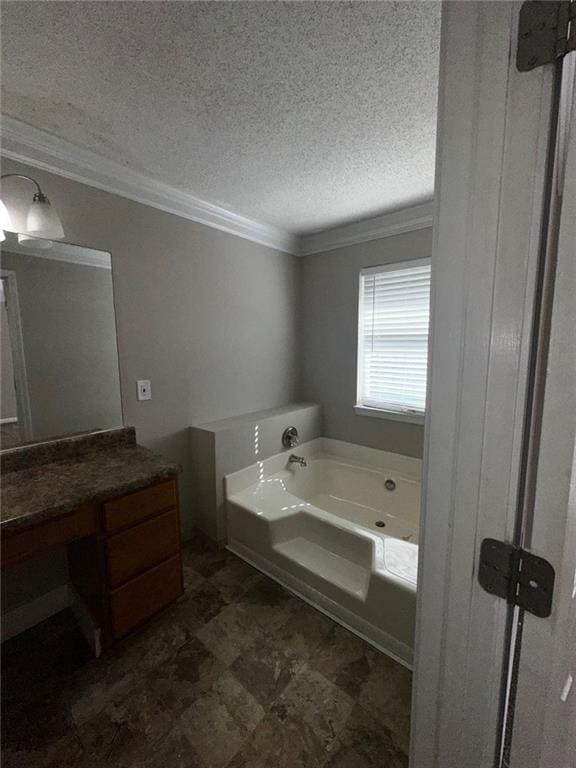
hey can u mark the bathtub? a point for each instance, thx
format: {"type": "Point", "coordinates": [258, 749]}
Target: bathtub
{"type": "Point", "coordinates": [341, 532]}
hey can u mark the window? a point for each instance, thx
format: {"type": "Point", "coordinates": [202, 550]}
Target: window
{"type": "Point", "coordinates": [393, 320]}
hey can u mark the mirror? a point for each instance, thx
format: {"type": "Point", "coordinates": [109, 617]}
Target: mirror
{"type": "Point", "coordinates": [58, 334]}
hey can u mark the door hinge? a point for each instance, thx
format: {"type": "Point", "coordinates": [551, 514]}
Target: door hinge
{"type": "Point", "coordinates": [521, 578]}
{"type": "Point", "coordinates": [546, 32]}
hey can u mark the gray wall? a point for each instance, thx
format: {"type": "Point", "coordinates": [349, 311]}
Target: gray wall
{"type": "Point", "coordinates": [209, 317]}
{"type": "Point", "coordinates": [9, 407]}
{"type": "Point", "coordinates": [329, 339]}
{"type": "Point", "coordinates": [69, 339]}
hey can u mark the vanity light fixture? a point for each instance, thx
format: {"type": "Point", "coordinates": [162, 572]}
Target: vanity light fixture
{"type": "Point", "coordinates": [40, 243]}
{"type": "Point", "coordinates": [41, 221]}
{"type": "Point", "coordinates": [5, 222]}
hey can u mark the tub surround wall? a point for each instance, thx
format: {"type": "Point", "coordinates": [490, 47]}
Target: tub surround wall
{"type": "Point", "coordinates": [329, 325]}
{"type": "Point", "coordinates": [222, 447]}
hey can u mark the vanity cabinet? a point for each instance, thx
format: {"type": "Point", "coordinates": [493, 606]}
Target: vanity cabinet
{"type": "Point", "coordinates": [114, 505]}
{"type": "Point", "coordinates": [124, 558]}
{"type": "Point", "coordinates": [141, 553]}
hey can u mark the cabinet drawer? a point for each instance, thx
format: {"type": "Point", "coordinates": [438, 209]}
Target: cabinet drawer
{"type": "Point", "coordinates": [131, 509]}
{"type": "Point", "coordinates": [142, 546]}
{"type": "Point", "coordinates": [145, 595]}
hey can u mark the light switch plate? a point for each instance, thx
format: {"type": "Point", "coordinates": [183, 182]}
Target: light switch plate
{"type": "Point", "coordinates": [144, 389]}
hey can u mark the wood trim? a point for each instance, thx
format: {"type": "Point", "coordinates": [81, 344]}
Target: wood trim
{"type": "Point", "coordinates": [138, 600]}
{"type": "Point", "coordinates": [136, 549]}
{"type": "Point", "coordinates": [21, 545]}
{"type": "Point", "coordinates": [138, 506]}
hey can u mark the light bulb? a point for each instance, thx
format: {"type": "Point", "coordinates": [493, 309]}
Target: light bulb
{"type": "Point", "coordinates": [42, 219]}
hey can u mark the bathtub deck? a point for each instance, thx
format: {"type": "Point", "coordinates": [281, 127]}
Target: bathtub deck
{"type": "Point", "coordinates": [239, 674]}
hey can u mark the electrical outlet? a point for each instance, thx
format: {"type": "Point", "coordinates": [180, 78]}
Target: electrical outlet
{"type": "Point", "coordinates": [144, 389]}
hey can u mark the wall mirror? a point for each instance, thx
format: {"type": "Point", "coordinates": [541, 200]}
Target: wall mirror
{"type": "Point", "coordinates": [58, 334]}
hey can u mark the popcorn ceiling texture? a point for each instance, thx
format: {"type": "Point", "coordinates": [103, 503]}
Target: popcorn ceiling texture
{"type": "Point", "coordinates": [301, 114]}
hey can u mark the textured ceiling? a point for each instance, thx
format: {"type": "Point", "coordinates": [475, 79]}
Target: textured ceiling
{"type": "Point", "coordinates": [300, 114]}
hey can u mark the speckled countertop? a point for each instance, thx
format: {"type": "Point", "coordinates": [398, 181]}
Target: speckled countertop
{"type": "Point", "coordinates": [52, 488]}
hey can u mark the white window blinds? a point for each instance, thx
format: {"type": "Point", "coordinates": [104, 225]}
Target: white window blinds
{"type": "Point", "coordinates": [394, 312]}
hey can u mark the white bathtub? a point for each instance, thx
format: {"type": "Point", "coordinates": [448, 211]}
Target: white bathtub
{"type": "Point", "coordinates": [314, 529]}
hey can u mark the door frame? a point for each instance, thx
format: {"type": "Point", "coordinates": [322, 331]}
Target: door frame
{"type": "Point", "coordinates": [543, 732]}
{"type": "Point", "coordinates": [18, 355]}
{"type": "Point", "coordinates": [493, 130]}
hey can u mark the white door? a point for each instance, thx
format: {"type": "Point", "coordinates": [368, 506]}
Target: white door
{"type": "Point", "coordinates": [495, 126]}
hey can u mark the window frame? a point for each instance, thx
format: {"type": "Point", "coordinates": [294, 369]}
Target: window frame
{"type": "Point", "coordinates": [412, 416]}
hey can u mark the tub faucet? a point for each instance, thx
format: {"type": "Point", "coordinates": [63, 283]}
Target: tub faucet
{"type": "Point", "coordinates": [297, 460]}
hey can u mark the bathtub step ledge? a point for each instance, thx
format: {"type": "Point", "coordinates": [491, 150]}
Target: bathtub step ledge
{"type": "Point", "coordinates": [334, 568]}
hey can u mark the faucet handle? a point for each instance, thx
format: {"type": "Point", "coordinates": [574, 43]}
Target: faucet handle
{"type": "Point", "coordinates": [290, 437]}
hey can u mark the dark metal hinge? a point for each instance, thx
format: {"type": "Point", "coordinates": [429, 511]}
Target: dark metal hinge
{"type": "Point", "coordinates": [521, 578]}
{"type": "Point", "coordinates": [546, 32]}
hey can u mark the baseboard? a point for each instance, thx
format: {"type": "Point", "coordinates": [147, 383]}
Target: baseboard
{"type": "Point", "coordinates": [9, 420]}
{"type": "Point", "coordinates": [26, 616]}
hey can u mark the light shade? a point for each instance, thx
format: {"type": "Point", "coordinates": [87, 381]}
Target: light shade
{"type": "Point", "coordinates": [40, 243]}
{"type": "Point", "coordinates": [5, 221]}
{"type": "Point", "coordinates": [42, 220]}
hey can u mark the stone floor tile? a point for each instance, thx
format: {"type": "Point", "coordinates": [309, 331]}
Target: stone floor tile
{"type": "Point", "coordinates": [387, 695]}
{"type": "Point", "coordinates": [125, 731]}
{"type": "Point", "coordinates": [345, 660]}
{"type": "Point", "coordinates": [198, 607]}
{"type": "Point", "coordinates": [288, 743]}
{"type": "Point", "coordinates": [269, 604]}
{"type": "Point", "coordinates": [66, 751]}
{"type": "Point", "coordinates": [100, 682]}
{"type": "Point", "coordinates": [234, 577]}
{"type": "Point", "coordinates": [204, 556]}
{"type": "Point", "coordinates": [364, 742]}
{"type": "Point", "coordinates": [174, 751]}
{"type": "Point", "coordinates": [220, 722]}
{"type": "Point", "coordinates": [313, 699]}
{"type": "Point", "coordinates": [185, 677]}
{"type": "Point", "coordinates": [304, 630]}
{"type": "Point", "coordinates": [265, 669]}
{"type": "Point", "coordinates": [154, 644]}
{"type": "Point", "coordinates": [230, 633]}
{"type": "Point", "coordinates": [36, 725]}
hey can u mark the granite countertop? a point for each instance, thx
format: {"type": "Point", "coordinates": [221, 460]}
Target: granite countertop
{"type": "Point", "coordinates": [55, 488]}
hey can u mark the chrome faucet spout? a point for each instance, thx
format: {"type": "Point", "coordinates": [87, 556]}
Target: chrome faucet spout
{"type": "Point", "coordinates": [297, 460]}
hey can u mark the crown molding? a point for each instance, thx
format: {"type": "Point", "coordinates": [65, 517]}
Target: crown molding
{"type": "Point", "coordinates": [388, 224]}
{"type": "Point", "coordinates": [31, 146]}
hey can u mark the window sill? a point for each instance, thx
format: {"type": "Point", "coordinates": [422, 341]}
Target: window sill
{"type": "Point", "coordinates": [377, 413]}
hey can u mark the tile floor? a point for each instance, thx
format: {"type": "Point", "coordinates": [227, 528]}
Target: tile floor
{"type": "Point", "coordinates": [238, 673]}
{"type": "Point", "coordinates": [10, 435]}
